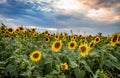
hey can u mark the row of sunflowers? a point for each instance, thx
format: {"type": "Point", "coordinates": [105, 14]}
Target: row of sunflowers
{"type": "Point", "coordinates": [26, 53]}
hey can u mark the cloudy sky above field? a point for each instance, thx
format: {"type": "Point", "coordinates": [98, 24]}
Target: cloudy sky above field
{"type": "Point", "coordinates": [80, 16]}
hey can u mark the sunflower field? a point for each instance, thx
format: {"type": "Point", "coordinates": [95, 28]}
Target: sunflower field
{"type": "Point", "coordinates": [26, 53]}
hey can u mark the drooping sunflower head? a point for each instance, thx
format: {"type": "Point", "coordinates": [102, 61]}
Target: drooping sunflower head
{"type": "Point", "coordinates": [97, 39]}
{"type": "Point", "coordinates": [64, 66]}
{"type": "Point", "coordinates": [36, 56]}
{"type": "Point", "coordinates": [84, 49]}
{"type": "Point", "coordinates": [56, 45]}
{"type": "Point", "coordinates": [72, 45]}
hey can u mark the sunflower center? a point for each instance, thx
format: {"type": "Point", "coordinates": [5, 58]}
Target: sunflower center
{"type": "Point", "coordinates": [56, 36]}
{"type": "Point", "coordinates": [91, 45]}
{"type": "Point", "coordinates": [83, 49]}
{"type": "Point", "coordinates": [36, 55]}
{"type": "Point", "coordinates": [17, 30]}
{"type": "Point", "coordinates": [72, 45]}
{"type": "Point", "coordinates": [21, 28]}
{"type": "Point", "coordinates": [97, 39]}
{"type": "Point", "coordinates": [33, 30]}
{"type": "Point", "coordinates": [2, 28]}
{"type": "Point", "coordinates": [114, 38]}
{"type": "Point", "coordinates": [119, 39]}
{"type": "Point", "coordinates": [74, 37]}
{"type": "Point", "coordinates": [46, 39]}
{"type": "Point", "coordinates": [10, 30]}
{"type": "Point", "coordinates": [6, 35]}
{"type": "Point", "coordinates": [57, 45]}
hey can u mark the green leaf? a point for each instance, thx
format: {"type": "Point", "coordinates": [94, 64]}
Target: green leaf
{"type": "Point", "coordinates": [87, 67]}
{"type": "Point", "coordinates": [62, 76]}
{"type": "Point", "coordinates": [73, 64]}
{"type": "Point", "coordinates": [79, 73]}
{"type": "Point", "coordinates": [116, 65]}
{"type": "Point", "coordinates": [113, 58]}
{"type": "Point", "coordinates": [48, 60]}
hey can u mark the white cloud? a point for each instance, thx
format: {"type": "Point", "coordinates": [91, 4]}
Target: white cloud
{"type": "Point", "coordinates": [103, 15]}
{"type": "Point", "coordinates": [3, 1]}
{"type": "Point", "coordinates": [7, 21]}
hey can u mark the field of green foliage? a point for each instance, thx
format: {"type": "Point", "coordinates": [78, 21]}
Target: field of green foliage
{"type": "Point", "coordinates": [25, 53]}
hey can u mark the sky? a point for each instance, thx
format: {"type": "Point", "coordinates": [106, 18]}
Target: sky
{"type": "Point", "coordinates": [83, 17]}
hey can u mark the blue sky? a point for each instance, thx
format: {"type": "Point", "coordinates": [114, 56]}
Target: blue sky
{"type": "Point", "coordinates": [80, 16]}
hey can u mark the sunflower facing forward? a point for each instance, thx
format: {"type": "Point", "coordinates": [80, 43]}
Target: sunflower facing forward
{"type": "Point", "coordinates": [57, 45]}
{"type": "Point", "coordinates": [84, 49]}
{"type": "Point", "coordinates": [35, 56]}
{"type": "Point", "coordinates": [72, 45]}
{"type": "Point", "coordinates": [97, 39]}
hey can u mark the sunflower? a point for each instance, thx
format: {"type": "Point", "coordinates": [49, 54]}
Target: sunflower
{"type": "Point", "coordinates": [46, 32]}
{"type": "Point", "coordinates": [35, 34]}
{"type": "Point", "coordinates": [64, 38]}
{"type": "Point", "coordinates": [17, 30]}
{"type": "Point", "coordinates": [10, 30]}
{"type": "Point", "coordinates": [57, 37]}
{"type": "Point", "coordinates": [21, 28]}
{"type": "Point", "coordinates": [72, 45]}
{"type": "Point", "coordinates": [47, 40]}
{"type": "Point", "coordinates": [114, 39]}
{"type": "Point", "coordinates": [92, 44]}
{"type": "Point", "coordinates": [74, 37]}
{"type": "Point", "coordinates": [118, 39]}
{"type": "Point", "coordinates": [84, 49]}
{"type": "Point", "coordinates": [36, 56]}
{"type": "Point", "coordinates": [33, 29]}
{"type": "Point", "coordinates": [61, 34]}
{"type": "Point", "coordinates": [51, 36]}
{"type": "Point", "coordinates": [64, 66]}
{"type": "Point", "coordinates": [57, 45]}
{"type": "Point", "coordinates": [2, 28]}
{"type": "Point", "coordinates": [6, 35]}
{"type": "Point", "coordinates": [97, 39]}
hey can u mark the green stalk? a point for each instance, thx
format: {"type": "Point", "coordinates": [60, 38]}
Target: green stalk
{"type": "Point", "coordinates": [101, 59]}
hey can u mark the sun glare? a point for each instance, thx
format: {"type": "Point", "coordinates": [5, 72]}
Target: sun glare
{"type": "Point", "coordinates": [71, 4]}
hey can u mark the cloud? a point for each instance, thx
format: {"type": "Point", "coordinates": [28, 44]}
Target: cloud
{"type": "Point", "coordinates": [7, 21]}
{"type": "Point", "coordinates": [96, 10]}
{"type": "Point", "coordinates": [103, 15]}
{"type": "Point", "coordinates": [3, 1]}
{"type": "Point", "coordinates": [43, 5]}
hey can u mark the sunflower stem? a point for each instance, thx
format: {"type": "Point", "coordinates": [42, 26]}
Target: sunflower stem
{"type": "Point", "coordinates": [101, 59]}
